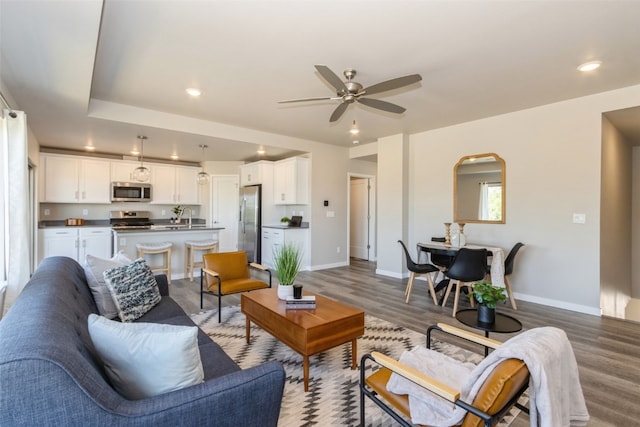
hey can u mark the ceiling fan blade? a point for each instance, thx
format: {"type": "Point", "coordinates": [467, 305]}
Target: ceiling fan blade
{"type": "Point", "coordinates": [331, 78]}
{"type": "Point", "coordinates": [382, 105]}
{"type": "Point", "coordinates": [338, 112]}
{"type": "Point", "coordinates": [323, 98]}
{"type": "Point", "coordinates": [393, 84]}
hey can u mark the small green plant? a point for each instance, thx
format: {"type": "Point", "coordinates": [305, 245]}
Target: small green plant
{"type": "Point", "coordinates": [177, 209]}
{"type": "Point", "coordinates": [286, 260]}
{"type": "Point", "coordinates": [285, 219]}
{"type": "Point", "coordinates": [487, 294]}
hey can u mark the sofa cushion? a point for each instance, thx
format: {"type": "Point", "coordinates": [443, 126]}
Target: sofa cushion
{"type": "Point", "coordinates": [94, 268]}
{"type": "Point", "coordinates": [147, 359]}
{"type": "Point", "coordinates": [133, 288]}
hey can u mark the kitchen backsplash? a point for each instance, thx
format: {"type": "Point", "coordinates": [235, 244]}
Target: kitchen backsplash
{"type": "Point", "coordinates": [59, 211]}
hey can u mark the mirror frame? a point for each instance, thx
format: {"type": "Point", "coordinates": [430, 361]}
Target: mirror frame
{"type": "Point", "coordinates": [503, 166]}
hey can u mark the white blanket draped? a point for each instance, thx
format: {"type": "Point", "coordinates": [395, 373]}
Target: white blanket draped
{"type": "Point", "coordinates": [555, 394]}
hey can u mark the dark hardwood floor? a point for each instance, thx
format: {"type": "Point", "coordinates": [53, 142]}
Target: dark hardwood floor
{"type": "Point", "coordinates": [607, 350]}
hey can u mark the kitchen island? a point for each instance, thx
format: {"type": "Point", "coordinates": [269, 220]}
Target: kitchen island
{"type": "Point", "coordinates": [126, 240]}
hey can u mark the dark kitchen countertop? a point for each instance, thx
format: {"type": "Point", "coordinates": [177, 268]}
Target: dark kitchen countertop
{"type": "Point", "coordinates": [286, 227]}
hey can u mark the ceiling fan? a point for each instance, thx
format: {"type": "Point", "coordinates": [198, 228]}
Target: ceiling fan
{"type": "Point", "coordinates": [350, 91]}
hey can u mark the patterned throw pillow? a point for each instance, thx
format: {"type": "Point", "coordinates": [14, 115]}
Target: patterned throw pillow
{"type": "Point", "coordinates": [133, 288]}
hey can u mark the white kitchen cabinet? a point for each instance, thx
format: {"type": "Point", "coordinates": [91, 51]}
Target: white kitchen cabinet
{"type": "Point", "coordinates": [256, 173]}
{"type": "Point", "coordinates": [291, 181]}
{"type": "Point", "coordinates": [75, 243]}
{"type": "Point", "coordinates": [94, 241]}
{"type": "Point", "coordinates": [174, 185]}
{"type": "Point", "coordinates": [74, 179]}
{"type": "Point", "coordinates": [275, 237]}
{"type": "Point", "coordinates": [122, 170]}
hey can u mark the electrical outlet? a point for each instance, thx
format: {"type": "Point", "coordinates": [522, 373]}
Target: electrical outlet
{"type": "Point", "coordinates": [164, 212]}
{"type": "Point", "coordinates": [47, 212]}
{"type": "Point", "coordinates": [85, 212]}
{"type": "Point", "coordinates": [579, 218]}
{"type": "Point", "coordinates": [338, 249]}
{"type": "Point", "coordinates": [331, 214]}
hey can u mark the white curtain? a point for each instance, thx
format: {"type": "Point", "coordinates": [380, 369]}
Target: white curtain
{"type": "Point", "coordinates": [483, 204]}
{"type": "Point", "coordinates": [15, 193]}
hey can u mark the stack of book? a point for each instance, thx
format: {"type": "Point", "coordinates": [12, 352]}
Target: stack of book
{"type": "Point", "coordinates": [305, 302]}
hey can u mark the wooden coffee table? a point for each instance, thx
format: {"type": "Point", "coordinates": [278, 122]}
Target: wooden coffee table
{"type": "Point", "coordinates": [307, 332]}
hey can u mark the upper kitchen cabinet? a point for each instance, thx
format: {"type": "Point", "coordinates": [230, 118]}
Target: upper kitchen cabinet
{"type": "Point", "coordinates": [291, 181]}
{"type": "Point", "coordinates": [256, 173]}
{"type": "Point", "coordinates": [72, 179]}
{"type": "Point", "coordinates": [122, 170]}
{"type": "Point", "coordinates": [174, 184]}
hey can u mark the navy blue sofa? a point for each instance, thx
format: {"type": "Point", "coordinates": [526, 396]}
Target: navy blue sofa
{"type": "Point", "coordinates": [50, 374]}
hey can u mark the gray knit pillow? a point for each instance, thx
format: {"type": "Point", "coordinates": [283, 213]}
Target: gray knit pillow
{"type": "Point", "coordinates": [133, 288]}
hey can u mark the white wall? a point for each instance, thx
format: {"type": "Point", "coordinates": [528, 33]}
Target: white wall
{"type": "Point", "coordinates": [615, 223]}
{"type": "Point", "coordinates": [553, 156]}
{"type": "Point", "coordinates": [635, 225]}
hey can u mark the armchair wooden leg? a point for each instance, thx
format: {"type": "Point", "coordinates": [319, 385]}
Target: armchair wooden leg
{"type": "Point", "coordinates": [456, 298]}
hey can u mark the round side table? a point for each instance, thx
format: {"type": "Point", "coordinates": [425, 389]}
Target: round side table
{"type": "Point", "coordinates": [504, 324]}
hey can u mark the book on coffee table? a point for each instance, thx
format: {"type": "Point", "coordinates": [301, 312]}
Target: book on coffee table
{"type": "Point", "coordinates": [305, 302]}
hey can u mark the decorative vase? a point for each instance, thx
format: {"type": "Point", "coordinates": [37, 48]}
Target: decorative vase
{"type": "Point", "coordinates": [486, 314]}
{"type": "Point", "coordinates": [285, 291]}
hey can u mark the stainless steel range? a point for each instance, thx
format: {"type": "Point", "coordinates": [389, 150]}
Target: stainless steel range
{"type": "Point", "coordinates": [130, 220]}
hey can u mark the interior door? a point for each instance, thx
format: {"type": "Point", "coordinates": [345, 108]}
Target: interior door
{"type": "Point", "coordinates": [224, 210]}
{"type": "Point", "coordinates": [359, 212]}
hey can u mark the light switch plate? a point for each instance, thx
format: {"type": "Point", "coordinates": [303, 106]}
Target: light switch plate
{"type": "Point", "coordinates": [579, 218]}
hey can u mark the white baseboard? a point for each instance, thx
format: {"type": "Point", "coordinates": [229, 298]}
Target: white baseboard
{"type": "Point", "coordinates": [594, 311]}
{"type": "Point", "coordinates": [327, 266]}
{"type": "Point", "coordinates": [393, 274]}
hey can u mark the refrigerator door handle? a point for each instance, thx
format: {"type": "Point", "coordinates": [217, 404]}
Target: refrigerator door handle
{"type": "Point", "coordinates": [242, 209]}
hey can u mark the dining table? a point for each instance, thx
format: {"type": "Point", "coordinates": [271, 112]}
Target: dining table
{"type": "Point", "coordinates": [495, 253]}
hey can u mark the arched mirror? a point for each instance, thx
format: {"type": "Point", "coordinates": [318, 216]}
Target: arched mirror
{"type": "Point", "coordinates": [479, 184]}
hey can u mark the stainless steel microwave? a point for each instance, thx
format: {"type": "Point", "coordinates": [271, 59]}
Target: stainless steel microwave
{"type": "Point", "coordinates": [130, 192]}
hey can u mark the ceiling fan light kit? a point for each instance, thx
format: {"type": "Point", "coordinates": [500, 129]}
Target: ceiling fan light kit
{"type": "Point", "coordinates": [350, 91]}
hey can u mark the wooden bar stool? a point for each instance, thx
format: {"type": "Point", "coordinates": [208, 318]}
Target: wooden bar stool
{"type": "Point", "coordinates": [163, 248]}
{"type": "Point", "coordinates": [191, 247]}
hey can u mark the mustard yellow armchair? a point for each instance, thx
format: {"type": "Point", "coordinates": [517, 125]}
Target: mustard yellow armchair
{"type": "Point", "coordinates": [225, 273]}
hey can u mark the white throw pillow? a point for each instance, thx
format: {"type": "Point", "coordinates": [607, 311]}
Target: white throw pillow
{"type": "Point", "coordinates": [94, 267]}
{"type": "Point", "coordinates": [133, 288]}
{"type": "Point", "coordinates": [147, 359]}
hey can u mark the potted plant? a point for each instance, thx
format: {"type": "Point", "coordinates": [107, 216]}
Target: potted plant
{"type": "Point", "coordinates": [178, 209]}
{"type": "Point", "coordinates": [487, 297]}
{"type": "Point", "coordinates": [286, 261]}
{"type": "Point", "coordinates": [285, 220]}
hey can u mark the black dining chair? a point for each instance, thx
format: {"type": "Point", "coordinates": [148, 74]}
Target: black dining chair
{"type": "Point", "coordinates": [468, 266]}
{"type": "Point", "coordinates": [417, 270]}
{"type": "Point", "coordinates": [508, 269]}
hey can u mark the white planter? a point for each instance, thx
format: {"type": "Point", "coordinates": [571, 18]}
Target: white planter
{"type": "Point", "coordinates": [285, 291]}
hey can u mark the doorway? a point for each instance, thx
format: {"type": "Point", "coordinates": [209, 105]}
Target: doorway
{"type": "Point", "coordinates": [362, 217]}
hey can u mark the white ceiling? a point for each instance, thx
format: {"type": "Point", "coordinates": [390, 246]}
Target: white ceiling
{"type": "Point", "coordinates": [104, 72]}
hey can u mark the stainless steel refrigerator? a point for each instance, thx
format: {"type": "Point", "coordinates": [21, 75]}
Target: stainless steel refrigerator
{"type": "Point", "coordinates": [249, 229]}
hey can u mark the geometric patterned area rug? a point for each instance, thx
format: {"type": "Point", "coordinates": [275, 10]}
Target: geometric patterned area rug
{"type": "Point", "coordinates": [333, 398]}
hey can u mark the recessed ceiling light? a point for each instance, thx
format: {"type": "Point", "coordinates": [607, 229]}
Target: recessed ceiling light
{"type": "Point", "coordinates": [134, 152]}
{"type": "Point", "coordinates": [174, 157]}
{"type": "Point", "coordinates": [89, 147]}
{"type": "Point", "coordinates": [192, 91]}
{"type": "Point", "coordinates": [260, 151]}
{"type": "Point", "coordinates": [589, 66]}
{"type": "Point", "coordinates": [356, 142]}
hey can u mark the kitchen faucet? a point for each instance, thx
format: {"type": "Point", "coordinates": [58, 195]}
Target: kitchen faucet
{"type": "Point", "coordinates": [190, 213]}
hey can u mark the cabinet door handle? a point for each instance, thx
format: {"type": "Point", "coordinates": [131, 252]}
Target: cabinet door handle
{"type": "Point", "coordinates": [76, 196]}
{"type": "Point", "coordinates": [84, 195]}
{"type": "Point", "coordinates": [282, 197]}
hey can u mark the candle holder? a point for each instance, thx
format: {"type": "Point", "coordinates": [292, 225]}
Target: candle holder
{"type": "Point", "coordinates": [447, 234]}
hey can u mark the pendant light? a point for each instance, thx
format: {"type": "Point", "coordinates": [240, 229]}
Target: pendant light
{"type": "Point", "coordinates": [203, 177]}
{"type": "Point", "coordinates": [141, 173]}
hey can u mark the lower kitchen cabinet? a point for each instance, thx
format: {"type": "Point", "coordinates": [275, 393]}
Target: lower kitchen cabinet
{"type": "Point", "coordinates": [274, 237]}
{"type": "Point", "coordinates": [75, 242]}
